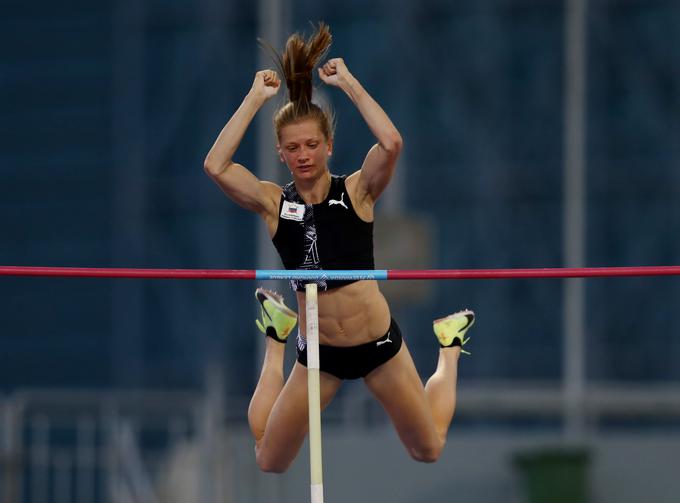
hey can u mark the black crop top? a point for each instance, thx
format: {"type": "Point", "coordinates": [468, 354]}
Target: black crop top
{"type": "Point", "coordinates": [329, 235]}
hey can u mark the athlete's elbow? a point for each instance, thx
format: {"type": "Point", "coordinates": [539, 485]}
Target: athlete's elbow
{"type": "Point", "coordinates": [393, 144]}
{"type": "Point", "coordinates": [213, 168]}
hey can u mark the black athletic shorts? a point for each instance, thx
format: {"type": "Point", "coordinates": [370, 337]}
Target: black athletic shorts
{"type": "Point", "coordinates": [353, 362]}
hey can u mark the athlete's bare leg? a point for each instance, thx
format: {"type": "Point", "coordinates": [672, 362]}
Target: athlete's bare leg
{"type": "Point", "coordinates": [279, 414]}
{"type": "Point", "coordinates": [420, 415]}
{"type": "Point", "coordinates": [441, 390]}
{"type": "Point", "coordinates": [268, 388]}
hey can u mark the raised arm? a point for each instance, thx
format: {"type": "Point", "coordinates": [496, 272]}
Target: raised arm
{"type": "Point", "coordinates": [381, 160]}
{"type": "Point", "coordinates": [235, 180]}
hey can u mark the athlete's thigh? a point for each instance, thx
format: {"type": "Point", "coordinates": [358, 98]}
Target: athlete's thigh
{"type": "Point", "coordinates": [398, 387]}
{"type": "Point", "coordinates": [288, 422]}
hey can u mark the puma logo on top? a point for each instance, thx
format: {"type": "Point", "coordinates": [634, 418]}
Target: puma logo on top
{"type": "Point", "coordinates": [331, 202]}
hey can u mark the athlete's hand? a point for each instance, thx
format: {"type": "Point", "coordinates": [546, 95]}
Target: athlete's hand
{"type": "Point", "coordinates": [266, 84]}
{"type": "Point", "coordinates": [334, 72]}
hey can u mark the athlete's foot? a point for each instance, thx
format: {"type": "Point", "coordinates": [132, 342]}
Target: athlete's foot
{"type": "Point", "coordinates": [451, 330]}
{"type": "Point", "coordinates": [278, 320]}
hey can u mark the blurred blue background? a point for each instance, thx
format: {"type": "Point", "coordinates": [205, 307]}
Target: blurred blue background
{"type": "Point", "coordinates": [108, 109]}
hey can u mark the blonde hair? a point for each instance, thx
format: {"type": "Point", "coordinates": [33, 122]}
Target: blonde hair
{"type": "Point", "coordinates": [296, 64]}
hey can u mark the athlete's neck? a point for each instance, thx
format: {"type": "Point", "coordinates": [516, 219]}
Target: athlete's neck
{"type": "Point", "coordinates": [314, 191]}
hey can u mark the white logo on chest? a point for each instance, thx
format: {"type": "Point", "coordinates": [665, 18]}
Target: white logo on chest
{"type": "Point", "coordinates": [331, 202]}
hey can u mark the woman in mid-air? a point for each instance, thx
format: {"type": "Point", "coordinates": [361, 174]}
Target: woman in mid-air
{"type": "Point", "coordinates": [323, 221]}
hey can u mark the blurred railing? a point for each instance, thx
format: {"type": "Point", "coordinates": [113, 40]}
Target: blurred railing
{"type": "Point", "coordinates": [78, 447]}
{"type": "Point", "coordinates": [126, 446]}
{"type": "Point", "coordinates": [509, 400]}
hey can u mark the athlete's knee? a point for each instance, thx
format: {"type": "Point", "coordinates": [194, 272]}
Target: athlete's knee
{"type": "Point", "coordinates": [270, 464]}
{"type": "Point", "coordinates": [269, 467]}
{"type": "Point", "coordinates": [427, 453]}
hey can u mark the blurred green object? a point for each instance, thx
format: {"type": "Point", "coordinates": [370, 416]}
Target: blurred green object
{"type": "Point", "coordinates": [555, 475]}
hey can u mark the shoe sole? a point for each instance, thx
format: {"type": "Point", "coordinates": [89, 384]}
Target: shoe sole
{"type": "Point", "coordinates": [262, 294]}
{"type": "Point", "coordinates": [470, 315]}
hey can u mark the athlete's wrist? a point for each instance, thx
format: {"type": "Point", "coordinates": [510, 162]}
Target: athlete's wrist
{"type": "Point", "coordinates": [351, 86]}
{"type": "Point", "coordinates": [256, 97]}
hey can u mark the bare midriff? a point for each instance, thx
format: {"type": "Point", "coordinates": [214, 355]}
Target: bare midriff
{"type": "Point", "coordinates": [350, 315]}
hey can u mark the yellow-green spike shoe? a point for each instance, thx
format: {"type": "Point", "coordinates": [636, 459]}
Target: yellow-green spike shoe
{"type": "Point", "coordinates": [450, 330]}
{"type": "Point", "coordinates": [278, 320]}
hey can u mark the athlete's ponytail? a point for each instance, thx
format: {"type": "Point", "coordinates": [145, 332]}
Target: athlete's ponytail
{"type": "Point", "coordinates": [296, 64]}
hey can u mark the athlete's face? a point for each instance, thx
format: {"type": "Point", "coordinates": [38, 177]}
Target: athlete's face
{"type": "Point", "coordinates": [304, 149]}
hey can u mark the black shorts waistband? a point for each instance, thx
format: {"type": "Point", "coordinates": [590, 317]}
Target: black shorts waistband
{"type": "Point", "coordinates": [354, 362]}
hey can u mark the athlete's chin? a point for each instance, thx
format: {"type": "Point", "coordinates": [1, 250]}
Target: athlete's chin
{"type": "Point", "coordinates": [306, 173]}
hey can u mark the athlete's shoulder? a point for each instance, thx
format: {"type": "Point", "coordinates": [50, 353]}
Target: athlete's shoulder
{"type": "Point", "coordinates": [350, 181]}
{"type": "Point", "coordinates": [272, 193]}
{"type": "Point", "coordinates": [363, 206]}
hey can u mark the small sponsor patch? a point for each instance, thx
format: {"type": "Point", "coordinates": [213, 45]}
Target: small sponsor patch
{"type": "Point", "coordinates": [293, 211]}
